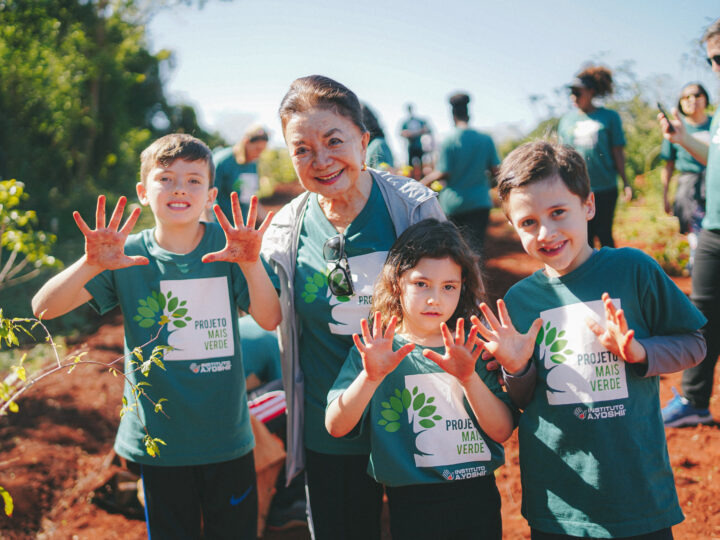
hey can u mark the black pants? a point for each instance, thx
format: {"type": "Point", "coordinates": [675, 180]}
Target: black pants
{"type": "Point", "coordinates": [214, 501]}
{"type": "Point", "coordinates": [663, 534]}
{"type": "Point", "coordinates": [697, 382]}
{"type": "Point", "coordinates": [344, 502]}
{"type": "Point", "coordinates": [473, 225]}
{"type": "Point", "coordinates": [457, 510]}
{"type": "Point", "coordinates": [601, 224]}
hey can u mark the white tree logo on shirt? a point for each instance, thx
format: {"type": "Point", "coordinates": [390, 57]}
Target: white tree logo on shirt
{"type": "Point", "coordinates": [415, 404]}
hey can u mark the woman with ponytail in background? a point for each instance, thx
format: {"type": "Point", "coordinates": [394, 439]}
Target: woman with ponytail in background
{"type": "Point", "coordinates": [597, 134]}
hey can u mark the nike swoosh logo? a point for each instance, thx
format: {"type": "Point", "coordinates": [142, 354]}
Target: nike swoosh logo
{"type": "Point", "coordinates": [234, 501]}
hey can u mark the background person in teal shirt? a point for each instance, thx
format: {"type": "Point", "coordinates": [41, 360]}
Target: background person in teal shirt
{"type": "Point", "coordinates": [596, 133]}
{"type": "Point", "coordinates": [379, 155]}
{"type": "Point", "coordinates": [466, 163]}
{"type": "Point", "coordinates": [689, 204]}
{"type": "Point", "coordinates": [691, 407]}
{"type": "Point", "coordinates": [236, 169]}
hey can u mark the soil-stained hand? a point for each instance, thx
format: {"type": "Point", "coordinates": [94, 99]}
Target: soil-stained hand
{"type": "Point", "coordinates": [377, 355]}
{"type": "Point", "coordinates": [104, 246]}
{"type": "Point", "coordinates": [461, 354]}
{"type": "Point", "coordinates": [511, 349]}
{"type": "Point", "coordinates": [616, 337]}
{"type": "Point", "coordinates": [242, 241]}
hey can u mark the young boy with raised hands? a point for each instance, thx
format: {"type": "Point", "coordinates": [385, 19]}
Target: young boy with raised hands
{"type": "Point", "coordinates": [180, 284]}
{"type": "Point", "coordinates": [585, 340]}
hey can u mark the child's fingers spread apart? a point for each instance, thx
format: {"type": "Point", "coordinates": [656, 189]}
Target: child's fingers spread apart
{"type": "Point", "coordinates": [252, 213]}
{"type": "Point", "coordinates": [460, 331]}
{"type": "Point", "coordinates": [137, 260]}
{"type": "Point", "coordinates": [377, 325]}
{"type": "Point", "coordinates": [434, 356]}
{"type": "Point", "coordinates": [117, 214]}
{"type": "Point", "coordinates": [266, 222]}
{"type": "Point", "coordinates": [84, 228]}
{"type": "Point", "coordinates": [365, 329]}
{"type": "Point", "coordinates": [489, 316]}
{"type": "Point", "coordinates": [100, 213]}
{"type": "Point", "coordinates": [222, 219]}
{"type": "Point", "coordinates": [594, 326]}
{"type": "Point", "coordinates": [358, 343]}
{"type": "Point", "coordinates": [390, 331]}
{"type": "Point", "coordinates": [130, 223]}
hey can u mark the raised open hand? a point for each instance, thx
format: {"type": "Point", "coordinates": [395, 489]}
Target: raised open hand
{"type": "Point", "coordinates": [242, 242]}
{"type": "Point", "coordinates": [616, 337]}
{"type": "Point", "coordinates": [511, 349]}
{"type": "Point", "coordinates": [104, 246]}
{"type": "Point", "coordinates": [460, 354]}
{"type": "Point", "coordinates": [378, 357]}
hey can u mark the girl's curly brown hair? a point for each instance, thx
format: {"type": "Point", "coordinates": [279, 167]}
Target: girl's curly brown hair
{"type": "Point", "coordinates": [431, 239]}
{"type": "Point", "coordinates": [601, 77]}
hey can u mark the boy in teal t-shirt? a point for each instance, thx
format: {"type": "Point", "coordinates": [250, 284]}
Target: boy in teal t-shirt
{"type": "Point", "coordinates": [180, 285]}
{"type": "Point", "coordinates": [601, 325]}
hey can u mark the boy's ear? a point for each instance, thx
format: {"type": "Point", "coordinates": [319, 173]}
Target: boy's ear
{"type": "Point", "coordinates": [141, 193]}
{"type": "Point", "coordinates": [590, 206]}
{"type": "Point", "coordinates": [212, 195]}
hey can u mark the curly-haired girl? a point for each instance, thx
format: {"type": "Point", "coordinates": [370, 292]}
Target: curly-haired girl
{"type": "Point", "coordinates": [436, 416]}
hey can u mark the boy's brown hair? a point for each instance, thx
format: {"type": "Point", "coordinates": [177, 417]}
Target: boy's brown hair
{"type": "Point", "coordinates": [165, 150]}
{"type": "Point", "coordinates": [540, 160]}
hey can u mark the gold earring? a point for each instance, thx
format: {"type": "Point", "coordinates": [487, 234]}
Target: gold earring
{"type": "Point", "coordinates": [364, 166]}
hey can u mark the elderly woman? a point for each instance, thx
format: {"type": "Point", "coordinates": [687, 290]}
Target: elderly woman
{"type": "Point", "coordinates": [236, 169]}
{"type": "Point", "coordinates": [327, 246]}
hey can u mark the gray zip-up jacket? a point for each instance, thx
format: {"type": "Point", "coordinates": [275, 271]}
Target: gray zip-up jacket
{"type": "Point", "coordinates": [408, 202]}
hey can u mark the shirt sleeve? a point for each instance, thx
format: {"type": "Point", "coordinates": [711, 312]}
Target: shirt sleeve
{"type": "Point", "coordinates": [617, 137]}
{"type": "Point", "coordinates": [666, 309]}
{"type": "Point", "coordinates": [348, 373]}
{"type": "Point", "coordinates": [240, 287]}
{"type": "Point", "coordinates": [521, 386]}
{"type": "Point", "coordinates": [102, 289]}
{"type": "Point", "coordinates": [668, 152]}
{"type": "Point", "coordinates": [669, 354]}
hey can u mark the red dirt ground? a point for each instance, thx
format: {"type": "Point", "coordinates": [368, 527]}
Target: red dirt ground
{"type": "Point", "coordinates": [54, 451]}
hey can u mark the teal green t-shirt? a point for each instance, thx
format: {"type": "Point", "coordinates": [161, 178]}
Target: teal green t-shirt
{"type": "Point", "coordinates": [684, 162]}
{"type": "Point", "coordinates": [232, 176]}
{"type": "Point", "coordinates": [467, 156]}
{"type": "Point", "coordinates": [593, 456]}
{"type": "Point", "coordinates": [594, 135]}
{"type": "Point", "coordinates": [422, 429]}
{"type": "Point", "coordinates": [260, 352]}
{"type": "Point", "coordinates": [328, 322]}
{"type": "Point", "coordinates": [712, 179]}
{"type": "Point", "coordinates": [203, 381]}
{"type": "Point", "coordinates": [378, 152]}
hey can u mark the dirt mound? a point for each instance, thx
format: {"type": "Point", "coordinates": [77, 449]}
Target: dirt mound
{"type": "Point", "coordinates": [55, 451]}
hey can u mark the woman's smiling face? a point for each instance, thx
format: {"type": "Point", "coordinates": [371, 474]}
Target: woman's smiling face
{"type": "Point", "coordinates": [327, 151]}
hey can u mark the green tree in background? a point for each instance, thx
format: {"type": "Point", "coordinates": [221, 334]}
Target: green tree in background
{"type": "Point", "coordinates": [80, 96]}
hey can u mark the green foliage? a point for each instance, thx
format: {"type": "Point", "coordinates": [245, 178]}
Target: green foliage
{"type": "Point", "coordinates": [403, 400]}
{"type": "Point", "coordinates": [7, 500]}
{"type": "Point", "coordinates": [275, 167]}
{"type": "Point", "coordinates": [554, 342]}
{"type": "Point", "coordinates": [80, 96]}
{"type": "Point", "coordinates": [23, 250]}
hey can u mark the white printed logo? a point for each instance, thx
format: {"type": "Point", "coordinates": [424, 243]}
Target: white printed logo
{"type": "Point", "coordinates": [580, 369]}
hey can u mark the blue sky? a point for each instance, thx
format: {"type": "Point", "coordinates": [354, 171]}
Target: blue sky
{"type": "Point", "coordinates": [235, 60]}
